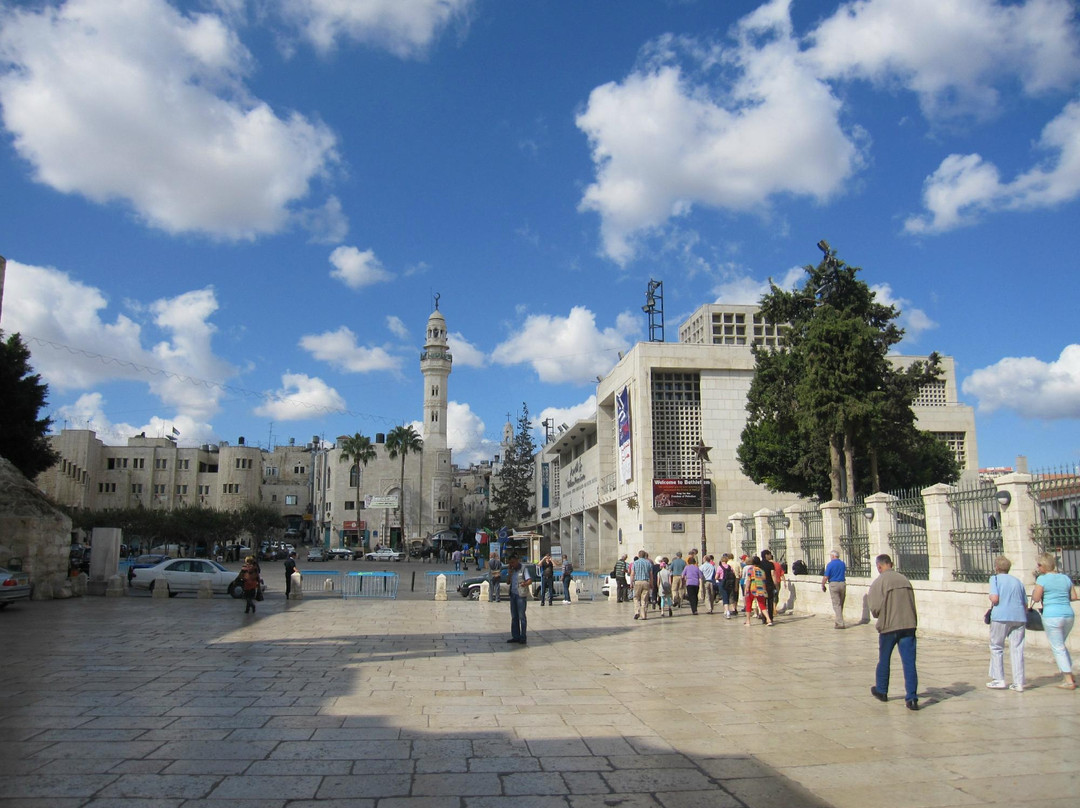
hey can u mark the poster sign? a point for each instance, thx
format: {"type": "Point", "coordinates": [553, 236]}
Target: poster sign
{"type": "Point", "coordinates": [390, 501]}
{"type": "Point", "coordinates": [622, 417]}
{"type": "Point", "coordinates": [680, 493]}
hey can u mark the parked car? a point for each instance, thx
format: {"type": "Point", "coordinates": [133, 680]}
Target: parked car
{"type": "Point", "coordinates": [187, 575]}
{"type": "Point", "coordinates": [384, 554]}
{"type": "Point", "coordinates": [470, 587]}
{"type": "Point", "coordinates": [144, 562]}
{"type": "Point", "coordinates": [316, 554]}
{"type": "Point", "coordinates": [13, 586]}
{"type": "Point", "coordinates": [340, 553]}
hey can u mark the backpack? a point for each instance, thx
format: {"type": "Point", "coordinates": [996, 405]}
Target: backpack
{"type": "Point", "coordinates": [728, 579]}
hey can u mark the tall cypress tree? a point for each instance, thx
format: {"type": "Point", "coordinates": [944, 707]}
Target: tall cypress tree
{"type": "Point", "coordinates": [23, 433]}
{"type": "Point", "coordinates": [513, 492]}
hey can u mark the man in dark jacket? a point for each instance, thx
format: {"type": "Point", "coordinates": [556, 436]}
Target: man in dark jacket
{"type": "Point", "coordinates": [891, 599]}
{"type": "Point", "coordinates": [290, 568]}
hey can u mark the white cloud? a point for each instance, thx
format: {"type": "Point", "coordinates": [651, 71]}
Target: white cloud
{"type": "Point", "coordinates": [966, 187]}
{"type": "Point", "coordinates": [568, 349]}
{"type": "Point", "coordinates": [403, 27]}
{"type": "Point", "coordinates": [745, 290]}
{"type": "Point", "coordinates": [465, 435]}
{"type": "Point", "coordinates": [327, 224]}
{"type": "Point", "coordinates": [464, 352]}
{"type": "Point", "coordinates": [88, 412]}
{"type": "Point", "coordinates": [1030, 387]}
{"type": "Point", "coordinates": [914, 321]}
{"type": "Point", "coordinates": [951, 53]}
{"type": "Point", "coordinates": [132, 100]}
{"type": "Point", "coordinates": [569, 415]}
{"type": "Point", "coordinates": [47, 304]}
{"type": "Point", "coordinates": [356, 268]}
{"type": "Point", "coordinates": [339, 350]}
{"type": "Point", "coordinates": [397, 327]}
{"type": "Point", "coordinates": [663, 142]}
{"type": "Point", "coordinates": [299, 398]}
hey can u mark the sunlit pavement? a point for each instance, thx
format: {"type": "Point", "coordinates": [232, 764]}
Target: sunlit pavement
{"type": "Point", "coordinates": [187, 702]}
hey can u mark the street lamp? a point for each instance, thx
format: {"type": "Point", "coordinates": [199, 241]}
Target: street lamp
{"type": "Point", "coordinates": [701, 451]}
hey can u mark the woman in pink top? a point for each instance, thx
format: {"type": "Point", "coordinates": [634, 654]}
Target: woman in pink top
{"type": "Point", "coordinates": [692, 577]}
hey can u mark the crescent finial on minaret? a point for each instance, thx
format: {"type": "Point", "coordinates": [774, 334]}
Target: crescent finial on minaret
{"type": "Point", "coordinates": [437, 301]}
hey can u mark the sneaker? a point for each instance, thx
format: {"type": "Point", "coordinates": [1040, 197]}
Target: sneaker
{"type": "Point", "coordinates": [997, 684]}
{"type": "Point", "coordinates": [877, 694]}
{"type": "Point", "coordinates": [1017, 686]}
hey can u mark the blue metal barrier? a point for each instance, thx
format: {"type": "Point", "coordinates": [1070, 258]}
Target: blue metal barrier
{"type": "Point", "coordinates": [370, 585]}
{"type": "Point", "coordinates": [313, 582]}
{"type": "Point", "coordinates": [453, 580]}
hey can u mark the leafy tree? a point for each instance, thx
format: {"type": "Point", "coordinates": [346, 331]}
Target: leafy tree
{"type": "Point", "coordinates": [400, 442]}
{"type": "Point", "coordinates": [358, 451]}
{"type": "Point", "coordinates": [829, 414]}
{"type": "Point", "coordinates": [512, 490]}
{"type": "Point", "coordinates": [23, 435]}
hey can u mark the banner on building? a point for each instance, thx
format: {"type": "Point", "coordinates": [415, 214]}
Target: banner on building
{"type": "Point", "coordinates": [622, 416]}
{"type": "Point", "coordinates": [680, 493]}
{"type": "Point", "coordinates": [390, 501]}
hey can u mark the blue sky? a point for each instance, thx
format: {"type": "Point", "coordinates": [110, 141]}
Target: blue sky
{"type": "Point", "coordinates": [230, 218]}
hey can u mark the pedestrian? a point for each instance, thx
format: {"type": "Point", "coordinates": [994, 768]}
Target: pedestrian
{"type": "Point", "coordinates": [756, 591]}
{"type": "Point", "coordinates": [766, 564]}
{"type": "Point", "coordinates": [547, 579]}
{"type": "Point", "coordinates": [567, 578]}
{"type": "Point", "coordinates": [619, 574]}
{"type": "Point", "coordinates": [708, 582]}
{"type": "Point", "coordinates": [834, 581]}
{"type": "Point", "coordinates": [726, 580]}
{"type": "Point", "coordinates": [519, 580]}
{"type": "Point", "coordinates": [1008, 621]}
{"type": "Point", "coordinates": [640, 573]}
{"type": "Point", "coordinates": [290, 568]}
{"type": "Point", "coordinates": [495, 576]}
{"type": "Point", "coordinates": [250, 579]}
{"type": "Point", "coordinates": [891, 599]}
{"type": "Point", "coordinates": [456, 558]}
{"type": "Point", "coordinates": [663, 583]}
{"type": "Point", "coordinates": [692, 576]}
{"type": "Point", "coordinates": [778, 578]}
{"type": "Point", "coordinates": [678, 583]}
{"type": "Point", "coordinates": [1055, 591]}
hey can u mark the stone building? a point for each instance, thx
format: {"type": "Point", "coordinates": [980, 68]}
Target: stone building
{"type": "Point", "coordinates": [34, 535]}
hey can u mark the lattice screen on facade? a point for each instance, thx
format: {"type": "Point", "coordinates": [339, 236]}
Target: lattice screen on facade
{"type": "Point", "coordinates": [766, 333]}
{"type": "Point", "coordinates": [932, 394]}
{"type": "Point", "coordinates": [955, 441]}
{"type": "Point", "coordinates": [676, 423]}
{"type": "Point", "coordinates": [729, 328]}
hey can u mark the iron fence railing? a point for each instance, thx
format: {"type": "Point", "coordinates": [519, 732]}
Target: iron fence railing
{"type": "Point", "coordinates": [778, 524]}
{"type": "Point", "coordinates": [1057, 529]}
{"type": "Point", "coordinates": [976, 537]}
{"type": "Point", "coordinates": [855, 538]}
{"type": "Point", "coordinates": [749, 542]}
{"type": "Point", "coordinates": [907, 538]}
{"type": "Point", "coordinates": [813, 541]}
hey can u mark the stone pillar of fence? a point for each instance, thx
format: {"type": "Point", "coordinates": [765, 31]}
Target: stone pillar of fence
{"type": "Point", "coordinates": [763, 528]}
{"type": "Point", "coordinates": [832, 527]}
{"type": "Point", "coordinates": [735, 533]}
{"type": "Point", "coordinates": [939, 521]}
{"type": "Point", "coordinates": [1017, 520]}
{"type": "Point", "coordinates": [795, 533]}
{"type": "Point", "coordinates": [879, 526]}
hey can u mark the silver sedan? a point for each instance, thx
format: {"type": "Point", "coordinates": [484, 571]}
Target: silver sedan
{"type": "Point", "coordinates": [186, 575]}
{"type": "Point", "coordinates": [13, 586]}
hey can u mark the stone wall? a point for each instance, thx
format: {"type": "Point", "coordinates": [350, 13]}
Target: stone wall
{"type": "Point", "coordinates": [33, 530]}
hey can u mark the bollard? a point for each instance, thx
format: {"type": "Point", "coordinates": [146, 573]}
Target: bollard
{"type": "Point", "coordinates": [161, 588]}
{"type": "Point", "coordinates": [328, 585]}
{"type": "Point", "coordinates": [206, 590]}
{"type": "Point", "coordinates": [440, 588]}
{"type": "Point", "coordinates": [115, 587]}
{"type": "Point", "coordinates": [296, 586]}
{"type": "Point", "coordinates": [412, 586]}
{"type": "Point", "coordinates": [485, 591]}
{"type": "Point", "coordinates": [574, 592]}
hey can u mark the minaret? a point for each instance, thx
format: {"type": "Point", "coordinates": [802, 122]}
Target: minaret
{"type": "Point", "coordinates": [437, 472]}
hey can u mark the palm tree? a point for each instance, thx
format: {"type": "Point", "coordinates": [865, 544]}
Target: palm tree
{"type": "Point", "coordinates": [357, 450]}
{"type": "Point", "coordinates": [403, 440]}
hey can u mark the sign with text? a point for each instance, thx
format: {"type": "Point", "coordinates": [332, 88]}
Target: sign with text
{"type": "Point", "coordinates": [381, 502]}
{"type": "Point", "coordinates": [680, 493]}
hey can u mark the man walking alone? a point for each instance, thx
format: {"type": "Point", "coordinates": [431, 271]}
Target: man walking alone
{"type": "Point", "coordinates": [641, 580]}
{"type": "Point", "coordinates": [891, 599]}
{"type": "Point", "coordinates": [835, 581]}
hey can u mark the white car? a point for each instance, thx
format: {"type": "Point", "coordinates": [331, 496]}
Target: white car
{"type": "Point", "coordinates": [384, 554]}
{"type": "Point", "coordinates": [186, 575]}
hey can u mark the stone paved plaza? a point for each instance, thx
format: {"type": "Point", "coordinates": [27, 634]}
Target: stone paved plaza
{"type": "Point", "coordinates": [408, 704]}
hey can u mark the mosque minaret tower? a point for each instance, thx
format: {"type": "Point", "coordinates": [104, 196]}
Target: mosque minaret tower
{"type": "Point", "coordinates": [437, 473]}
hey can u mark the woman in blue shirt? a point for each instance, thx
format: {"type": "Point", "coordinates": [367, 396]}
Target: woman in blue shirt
{"type": "Point", "coordinates": [1008, 620]}
{"type": "Point", "coordinates": [1055, 591]}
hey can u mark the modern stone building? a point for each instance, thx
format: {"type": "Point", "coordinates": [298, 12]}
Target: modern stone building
{"type": "Point", "coordinates": [629, 478]}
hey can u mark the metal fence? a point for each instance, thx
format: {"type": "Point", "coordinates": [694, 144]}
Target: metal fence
{"type": "Point", "coordinates": [321, 582]}
{"type": "Point", "coordinates": [778, 524]}
{"type": "Point", "coordinates": [813, 541]}
{"type": "Point", "coordinates": [976, 537]}
{"type": "Point", "coordinates": [907, 539]}
{"type": "Point", "coordinates": [453, 580]}
{"type": "Point", "coordinates": [855, 538]}
{"type": "Point", "coordinates": [1057, 530]}
{"type": "Point", "coordinates": [370, 585]}
{"type": "Point", "coordinates": [749, 542]}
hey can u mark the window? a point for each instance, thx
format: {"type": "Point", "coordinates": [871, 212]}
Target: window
{"type": "Point", "coordinates": [159, 489]}
{"type": "Point", "coordinates": [136, 488]}
{"type": "Point", "coordinates": [350, 505]}
{"type": "Point", "coordinates": [183, 464]}
{"type": "Point", "coordinates": [161, 463]}
{"type": "Point", "coordinates": [204, 490]}
{"type": "Point", "coordinates": [270, 471]}
{"type": "Point", "coordinates": [931, 394]}
{"type": "Point", "coordinates": [298, 469]}
{"type": "Point", "coordinates": [106, 488]}
{"type": "Point", "coordinates": [230, 488]}
{"type": "Point", "coordinates": [290, 499]}
{"type": "Point", "coordinates": [676, 415]}
{"type": "Point", "coordinates": [181, 490]}
{"type": "Point", "coordinates": [138, 463]}
{"type": "Point", "coordinates": [955, 441]}
{"type": "Point", "coordinates": [243, 462]}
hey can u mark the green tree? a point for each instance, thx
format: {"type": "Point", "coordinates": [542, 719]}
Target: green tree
{"type": "Point", "coordinates": [512, 491]}
{"type": "Point", "coordinates": [829, 414]}
{"type": "Point", "coordinates": [23, 434]}
{"type": "Point", "coordinates": [358, 451]}
{"type": "Point", "coordinates": [400, 442]}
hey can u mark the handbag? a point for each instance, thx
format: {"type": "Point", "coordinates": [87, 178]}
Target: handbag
{"type": "Point", "coordinates": [1034, 620]}
{"type": "Point", "coordinates": [986, 617]}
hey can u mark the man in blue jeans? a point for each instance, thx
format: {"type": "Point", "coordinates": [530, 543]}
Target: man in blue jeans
{"type": "Point", "coordinates": [520, 581]}
{"type": "Point", "coordinates": [892, 601]}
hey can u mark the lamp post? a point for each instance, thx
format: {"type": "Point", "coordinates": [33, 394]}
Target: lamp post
{"type": "Point", "coordinates": [701, 451]}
